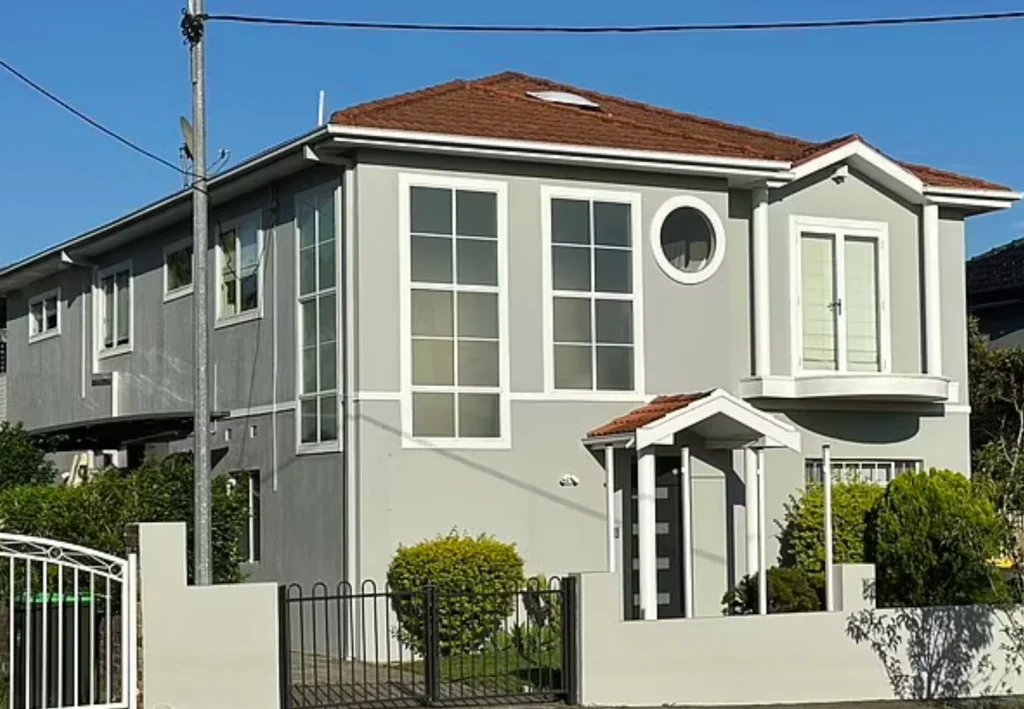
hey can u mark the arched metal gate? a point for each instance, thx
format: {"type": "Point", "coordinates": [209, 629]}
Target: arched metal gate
{"type": "Point", "coordinates": [70, 615]}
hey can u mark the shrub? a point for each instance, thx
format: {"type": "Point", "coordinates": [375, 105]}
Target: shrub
{"type": "Point", "coordinates": [97, 513]}
{"type": "Point", "coordinates": [931, 537]}
{"type": "Point", "coordinates": [475, 580]}
{"type": "Point", "coordinates": [802, 538]}
{"type": "Point", "coordinates": [22, 461]}
{"type": "Point", "coordinates": [791, 590]}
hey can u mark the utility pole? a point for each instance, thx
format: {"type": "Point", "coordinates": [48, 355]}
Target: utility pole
{"type": "Point", "coordinates": [193, 26]}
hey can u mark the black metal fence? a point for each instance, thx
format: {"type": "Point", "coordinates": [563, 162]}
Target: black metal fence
{"type": "Point", "coordinates": [374, 649]}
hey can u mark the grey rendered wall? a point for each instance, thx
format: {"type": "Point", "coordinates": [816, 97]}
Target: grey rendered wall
{"type": "Point", "coordinates": [784, 659]}
{"type": "Point", "coordinates": [203, 647]}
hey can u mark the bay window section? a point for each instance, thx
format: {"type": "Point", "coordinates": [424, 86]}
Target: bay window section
{"type": "Point", "coordinates": [319, 403]}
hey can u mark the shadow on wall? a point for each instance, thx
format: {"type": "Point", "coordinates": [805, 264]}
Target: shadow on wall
{"type": "Point", "coordinates": [857, 428]}
{"type": "Point", "coordinates": [942, 653]}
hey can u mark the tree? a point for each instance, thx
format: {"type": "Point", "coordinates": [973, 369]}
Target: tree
{"type": "Point", "coordinates": [22, 460]}
{"type": "Point", "coordinates": [931, 537]}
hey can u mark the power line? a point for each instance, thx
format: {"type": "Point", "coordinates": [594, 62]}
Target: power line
{"type": "Point", "coordinates": [92, 122]}
{"type": "Point", "coordinates": [620, 29]}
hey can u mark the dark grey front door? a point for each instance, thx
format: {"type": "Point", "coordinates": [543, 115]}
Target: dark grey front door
{"type": "Point", "coordinates": [668, 512]}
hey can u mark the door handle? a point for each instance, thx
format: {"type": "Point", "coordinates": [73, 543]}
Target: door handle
{"type": "Point", "coordinates": [836, 306]}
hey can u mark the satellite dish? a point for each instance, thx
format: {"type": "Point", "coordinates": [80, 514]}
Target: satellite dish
{"type": "Point", "coordinates": [186, 133]}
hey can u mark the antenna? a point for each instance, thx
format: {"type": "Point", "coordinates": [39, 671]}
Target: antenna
{"type": "Point", "coordinates": [188, 136]}
{"type": "Point", "coordinates": [320, 114]}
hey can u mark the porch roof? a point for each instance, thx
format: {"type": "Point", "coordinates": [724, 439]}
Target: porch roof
{"type": "Point", "coordinates": [715, 415]}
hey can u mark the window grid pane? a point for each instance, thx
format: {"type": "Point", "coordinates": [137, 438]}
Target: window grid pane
{"type": "Point", "coordinates": [878, 471]}
{"type": "Point", "coordinates": [454, 299]}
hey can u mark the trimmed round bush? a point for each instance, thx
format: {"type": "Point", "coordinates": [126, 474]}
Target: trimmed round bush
{"type": "Point", "coordinates": [474, 580]}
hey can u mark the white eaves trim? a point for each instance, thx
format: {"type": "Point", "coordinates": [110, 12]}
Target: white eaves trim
{"type": "Point", "coordinates": [862, 151]}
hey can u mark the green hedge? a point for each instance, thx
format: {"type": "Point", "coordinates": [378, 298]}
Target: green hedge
{"type": "Point", "coordinates": [790, 590]}
{"type": "Point", "coordinates": [97, 513]}
{"type": "Point", "coordinates": [475, 580]}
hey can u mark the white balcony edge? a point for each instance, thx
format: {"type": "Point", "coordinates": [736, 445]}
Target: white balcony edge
{"type": "Point", "coordinates": [852, 386]}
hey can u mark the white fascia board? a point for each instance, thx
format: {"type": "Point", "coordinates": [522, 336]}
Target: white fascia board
{"type": "Point", "coordinates": [869, 155]}
{"type": "Point", "coordinates": [981, 194]}
{"type": "Point", "coordinates": [617, 440]}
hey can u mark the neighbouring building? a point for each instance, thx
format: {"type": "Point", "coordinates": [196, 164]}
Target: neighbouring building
{"type": "Point", "coordinates": [438, 311]}
{"type": "Point", "coordinates": [995, 293]}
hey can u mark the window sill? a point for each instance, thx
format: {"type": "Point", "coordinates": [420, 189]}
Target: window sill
{"type": "Point", "coordinates": [410, 443]}
{"type": "Point", "coordinates": [108, 352]}
{"type": "Point", "coordinates": [318, 448]}
{"type": "Point", "coordinates": [41, 337]}
{"type": "Point", "coordinates": [173, 295]}
{"type": "Point", "coordinates": [851, 386]}
{"type": "Point", "coordinates": [247, 316]}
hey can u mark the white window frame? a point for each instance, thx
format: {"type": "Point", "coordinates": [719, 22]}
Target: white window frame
{"type": "Point", "coordinates": [633, 199]}
{"type": "Point", "coordinates": [406, 181]}
{"type": "Point", "coordinates": [843, 464]}
{"type": "Point", "coordinates": [34, 337]}
{"type": "Point", "coordinates": [717, 234]}
{"type": "Point", "coordinates": [256, 313]}
{"type": "Point", "coordinates": [321, 446]}
{"type": "Point", "coordinates": [252, 479]}
{"type": "Point", "coordinates": [173, 294]}
{"type": "Point", "coordinates": [840, 229]}
{"type": "Point", "coordinates": [98, 307]}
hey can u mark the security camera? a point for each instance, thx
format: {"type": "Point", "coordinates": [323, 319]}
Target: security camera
{"type": "Point", "coordinates": [569, 481]}
{"type": "Point", "coordinates": [840, 175]}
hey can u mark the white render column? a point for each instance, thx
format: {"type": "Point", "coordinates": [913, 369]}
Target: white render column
{"type": "Point", "coordinates": [762, 312]}
{"type": "Point", "coordinates": [826, 469]}
{"type": "Point", "coordinates": [932, 309]}
{"type": "Point", "coordinates": [646, 531]}
{"type": "Point", "coordinates": [609, 505]}
{"type": "Point", "coordinates": [750, 484]}
{"type": "Point", "coordinates": [687, 481]}
{"type": "Point", "coordinates": [762, 538]}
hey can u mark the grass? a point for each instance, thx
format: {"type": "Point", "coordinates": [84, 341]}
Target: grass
{"type": "Point", "coordinates": [497, 671]}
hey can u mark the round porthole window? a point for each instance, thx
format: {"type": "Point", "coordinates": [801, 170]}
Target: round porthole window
{"type": "Point", "coordinates": [688, 239]}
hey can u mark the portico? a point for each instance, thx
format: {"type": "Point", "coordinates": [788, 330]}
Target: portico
{"type": "Point", "coordinates": [669, 427]}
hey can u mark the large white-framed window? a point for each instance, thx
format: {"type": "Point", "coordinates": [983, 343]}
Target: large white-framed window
{"type": "Point", "coordinates": [179, 261]}
{"type": "Point", "coordinates": [593, 314]}
{"type": "Point", "coordinates": [317, 220]}
{"type": "Point", "coordinates": [247, 484]}
{"type": "Point", "coordinates": [240, 270]}
{"type": "Point", "coordinates": [114, 309]}
{"type": "Point", "coordinates": [44, 316]}
{"type": "Point", "coordinates": [840, 292]}
{"type": "Point", "coordinates": [454, 312]}
{"type": "Point", "coordinates": [881, 471]}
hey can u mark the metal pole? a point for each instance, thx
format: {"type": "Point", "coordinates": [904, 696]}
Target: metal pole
{"type": "Point", "coordinates": [826, 469]}
{"type": "Point", "coordinates": [192, 27]}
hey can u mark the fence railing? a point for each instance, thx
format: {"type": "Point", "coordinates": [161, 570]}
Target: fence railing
{"type": "Point", "coordinates": [366, 647]}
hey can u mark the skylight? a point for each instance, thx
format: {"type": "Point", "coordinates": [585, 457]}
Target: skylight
{"type": "Point", "coordinates": [564, 98]}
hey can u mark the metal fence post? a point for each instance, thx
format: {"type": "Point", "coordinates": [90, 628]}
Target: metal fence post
{"type": "Point", "coordinates": [570, 634]}
{"type": "Point", "coordinates": [285, 645]}
{"type": "Point", "coordinates": [432, 658]}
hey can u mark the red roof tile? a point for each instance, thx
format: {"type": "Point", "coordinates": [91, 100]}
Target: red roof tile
{"type": "Point", "coordinates": [657, 408]}
{"type": "Point", "coordinates": [499, 107]}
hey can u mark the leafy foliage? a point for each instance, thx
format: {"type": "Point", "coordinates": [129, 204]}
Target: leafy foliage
{"type": "Point", "coordinates": [790, 590]}
{"type": "Point", "coordinates": [22, 460]}
{"type": "Point", "coordinates": [931, 537]}
{"type": "Point", "coordinates": [97, 513]}
{"type": "Point", "coordinates": [475, 580]}
{"type": "Point", "coordinates": [802, 538]}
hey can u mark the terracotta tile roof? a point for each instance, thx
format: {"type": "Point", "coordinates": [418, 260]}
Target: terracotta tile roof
{"type": "Point", "coordinates": [499, 107]}
{"type": "Point", "coordinates": [657, 408]}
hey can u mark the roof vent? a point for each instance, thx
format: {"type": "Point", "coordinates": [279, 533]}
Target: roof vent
{"type": "Point", "coordinates": [565, 98]}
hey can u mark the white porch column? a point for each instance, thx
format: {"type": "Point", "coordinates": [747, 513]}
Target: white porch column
{"type": "Point", "coordinates": [646, 531]}
{"type": "Point", "coordinates": [687, 481]}
{"type": "Point", "coordinates": [762, 538]}
{"type": "Point", "coordinates": [762, 316]}
{"type": "Point", "coordinates": [750, 507]}
{"type": "Point", "coordinates": [932, 309]}
{"type": "Point", "coordinates": [826, 469]}
{"type": "Point", "coordinates": [609, 505]}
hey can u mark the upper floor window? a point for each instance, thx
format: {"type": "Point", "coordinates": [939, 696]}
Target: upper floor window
{"type": "Point", "coordinates": [688, 239]}
{"type": "Point", "coordinates": [454, 311]}
{"type": "Point", "coordinates": [592, 279]}
{"type": "Point", "coordinates": [882, 472]}
{"type": "Point", "coordinates": [44, 316]}
{"type": "Point", "coordinates": [317, 225]}
{"type": "Point", "coordinates": [841, 291]}
{"type": "Point", "coordinates": [178, 263]}
{"type": "Point", "coordinates": [239, 269]}
{"type": "Point", "coordinates": [115, 308]}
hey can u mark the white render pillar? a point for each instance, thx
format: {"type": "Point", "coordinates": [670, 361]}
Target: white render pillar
{"type": "Point", "coordinates": [762, 312]}
{"type": "Point", "coordinates": [750, 484]}
{"type": "Point", "coordinates": [646, 531]}
{"type": "Point", "coordinates": [826, 469]}
{"type": "Point", "coordinates": [609, 505]}
{"type": "Point", "coordinates": [932, 309]}
{"type": "Point", "coordinates": [687, 482]}
{"type": "Point", "coordinates": [762, 538]}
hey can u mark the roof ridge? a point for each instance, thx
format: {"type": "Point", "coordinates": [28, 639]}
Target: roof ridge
{"type": "Point", "coordinates": [398, 99]}
{"type": "Point", "coordinates": [797, 142]}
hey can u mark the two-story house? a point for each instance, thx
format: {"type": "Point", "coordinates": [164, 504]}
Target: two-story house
{"type": "Point", "coordinates": [436, 312]}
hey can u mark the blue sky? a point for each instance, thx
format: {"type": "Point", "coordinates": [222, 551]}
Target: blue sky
{"type": "Point", "coordinates": [941, 95]}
